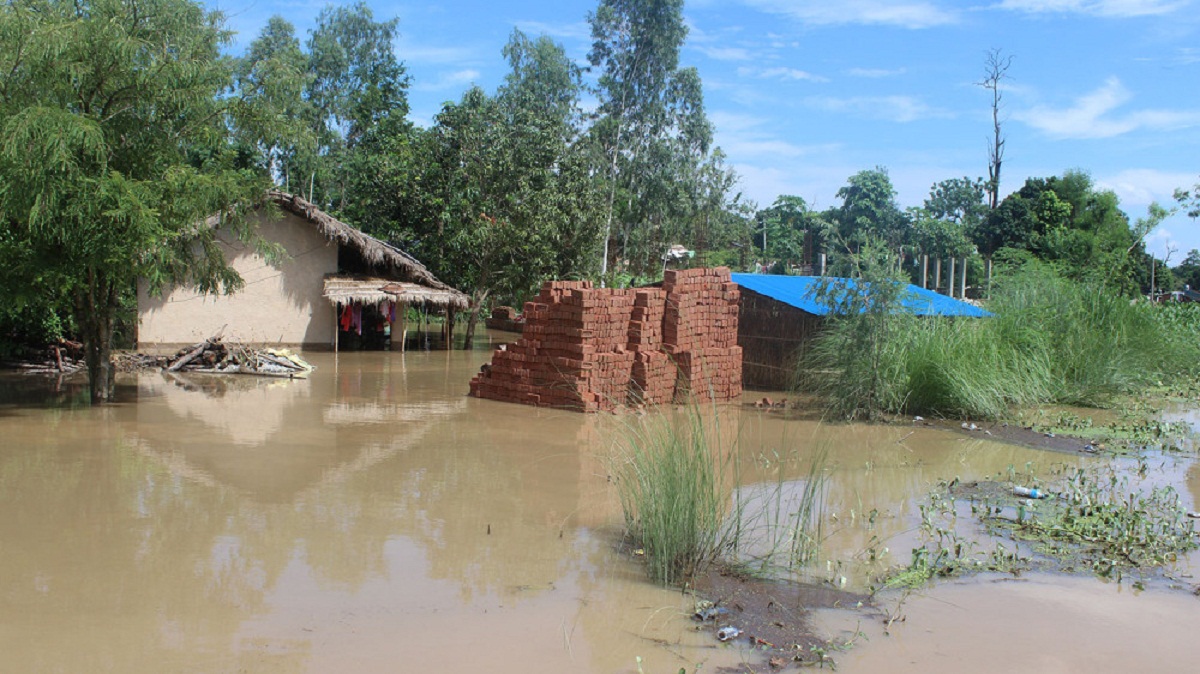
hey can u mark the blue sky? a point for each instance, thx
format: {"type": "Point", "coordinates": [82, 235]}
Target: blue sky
{"type": "Point", "coordinates": [804, 93]}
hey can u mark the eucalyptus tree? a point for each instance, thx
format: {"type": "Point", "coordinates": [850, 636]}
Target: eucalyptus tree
{"type": "Point", "coordinates": [321, 101]}
{"type": "Point", "coordinates": [114, 148]}
{"type": "Point", "coordinates": [651, 132]}
{"type": "Point", "coordinates": [505, 197]}
{"type": "Point", "coordinates": [275, 75]}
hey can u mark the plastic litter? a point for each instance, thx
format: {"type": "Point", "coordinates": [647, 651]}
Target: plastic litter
{"type": "Point", "coordinates": [709, 613]}
{"type": "Point", "coordinates": [727, 633]}
{"type": "Point", "coordinates": [1029, 492]}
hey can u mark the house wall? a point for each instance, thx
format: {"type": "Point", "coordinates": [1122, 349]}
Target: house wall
{"type": "Point", "coordinates": [773, 336]}
{"type": "Point", "coordinates": [278, 305]}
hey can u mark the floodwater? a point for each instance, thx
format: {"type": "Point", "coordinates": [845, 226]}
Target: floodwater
{"type": "Point", "coordinates": [375, 519]}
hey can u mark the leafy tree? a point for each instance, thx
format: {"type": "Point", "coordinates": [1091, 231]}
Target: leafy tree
{"type": "Point", "coordinates": [1082, 231]}
{"type": "Point", "coordinates": [498, 195]}
{"type": "Point", "coordinates": [274, 74]}
{"type": "Point", "coordinates": [869, 209]}
{"type": "Point", "coordinates": [1188, 271]}
{"type": "Point", "coordinates": [113, 150]}
{"type": "Point", "coordinates": [318, 106]}
{"type": "Point", "coordinates": [788, 231]}
{"type": "Point", "coordinates": [652, 136]}
{"type": "Point", "coordinates": [1189, 200]}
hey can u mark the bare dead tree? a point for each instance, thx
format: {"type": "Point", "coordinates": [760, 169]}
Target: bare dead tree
{"type": "Point", "coordinates": [995, 71]}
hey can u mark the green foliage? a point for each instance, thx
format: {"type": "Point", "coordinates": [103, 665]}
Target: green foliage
{"type": "Point", "coordinates": [316, 107]}
{"type": "Point", "coordinates": [497, 196]}
{"type": "Point", "coordinates": [113, 147]}
{"type": "Point", "coordinates": [1189, 200]}
{"type": "Point", "coordinates": [1051, 340]}
{"type": "Point", "coordinates": [651, 138]}
{"type": "Point", "coordinates": [673, 482]}
{"type": "Point", "coordinates": [869, 210]}
{"type": "Point", "coordinates": [852, 363]}
{"type": "Point", "coordinates": [1081, 231]}
{"type": "Point", "coordinates": [788, 232]}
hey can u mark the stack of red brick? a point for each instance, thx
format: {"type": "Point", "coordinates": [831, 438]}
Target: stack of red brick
{"type": "Point", "coordinates": [593, 349]}
{"type": "Point", "coordinates": [700, 332]}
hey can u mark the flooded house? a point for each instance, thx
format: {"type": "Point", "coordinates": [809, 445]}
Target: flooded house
{"type": "Point", "coordinates": [334, 287]}
{"type": "Point", "coordinates": [780, 314]}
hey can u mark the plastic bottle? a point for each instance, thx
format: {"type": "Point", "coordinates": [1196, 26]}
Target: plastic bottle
{"type": "Point", "coordinates": [1029, 492]}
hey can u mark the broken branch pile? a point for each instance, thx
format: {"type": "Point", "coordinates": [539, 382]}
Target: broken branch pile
{"type": "Point", "coordinates": [213, 356]}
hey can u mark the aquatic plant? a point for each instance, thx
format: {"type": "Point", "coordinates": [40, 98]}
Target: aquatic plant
{"type": "Point", "coordinates": [1093, 519]}
{"type": "Point", "coordinates": [674, 483]}
{"type": "Point", "coordinates": [679, 480]}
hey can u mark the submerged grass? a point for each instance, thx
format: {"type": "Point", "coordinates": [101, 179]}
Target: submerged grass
{"type": "Point", "coordinates": [675, 489]}
{"type": "Point", "coordinates": [679, 481]}
{"type": "Point", "coordinates": [1050, 340]}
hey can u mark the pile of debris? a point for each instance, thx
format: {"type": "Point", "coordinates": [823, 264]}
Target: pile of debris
{"type": "Point", "coordinates": [62, 357]}
{"type": "Point", "coordinates": [212, 356]}
{"type": "Point", "coordinates": [592, 349]}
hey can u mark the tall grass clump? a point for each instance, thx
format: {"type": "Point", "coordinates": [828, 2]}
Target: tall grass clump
{"type": "Point", "coordinates": [857, 362]}
{"type": "Point", "coordinates": [675, 485]}
{"type": "Point", "coordinates": [1050, 340]}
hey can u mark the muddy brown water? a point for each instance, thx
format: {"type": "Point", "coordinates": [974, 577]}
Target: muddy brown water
{"type": "Point", "coordinates": [375, 519]}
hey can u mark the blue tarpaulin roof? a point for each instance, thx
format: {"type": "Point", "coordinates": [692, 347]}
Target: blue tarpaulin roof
{"type": "Point", "coordinates": [800, 292]}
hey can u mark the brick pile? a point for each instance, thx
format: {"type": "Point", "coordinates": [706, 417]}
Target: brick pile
{"type": "Point", "coordinates": [592, 349]}
{"type": "Point", "coordinates": [700, 332]}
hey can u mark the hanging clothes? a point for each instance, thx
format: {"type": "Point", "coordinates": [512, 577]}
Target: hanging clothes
{"type": "Point", "coordinates": [346, 319]}
{"type": "Point", "coordinates": [391, 312]}
{"type": "Point", "coordinates": [358, 319]}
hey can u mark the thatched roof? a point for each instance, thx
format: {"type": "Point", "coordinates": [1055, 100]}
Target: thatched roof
{"type": "Point", "coordinates": [369, 290]}
{"type": "Point", "coordinates": [386, 258]}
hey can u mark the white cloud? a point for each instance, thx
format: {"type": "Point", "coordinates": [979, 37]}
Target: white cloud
{"type": "Point", "coordinates": [875, 73]}
{"type": "Point", "coordinates": [1105, 8]}
{"type": "Point", "coordinates": [1138, 187]}
{"type": "Point", "coordinates": [456, 79]}
{"type": "Point", "coordinates": [744, 136]}
{"type": "Point", "coordinates": [579, 30]}
{"type": "Point", "coordinates": [780, 73]}
{"type": "Point", "coordinates": [1094, 115]}
{"type": "Point", "coordinates": [726, 53]}
{"type": "Point", "coordinates": [412, 53]}
{"type": "Point", "coordinates": [902, 13]}
{"type": "Point", "coordinates": [891, 108]}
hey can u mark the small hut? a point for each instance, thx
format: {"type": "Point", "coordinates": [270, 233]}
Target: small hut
{"type": "Point", "coordinates": [779, 315]}
{"type": "Point", "coordinates": [336, 287]}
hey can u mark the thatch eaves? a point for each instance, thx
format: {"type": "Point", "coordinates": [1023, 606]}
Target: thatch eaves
{"type": "Point", "coordinates": [384, 257]}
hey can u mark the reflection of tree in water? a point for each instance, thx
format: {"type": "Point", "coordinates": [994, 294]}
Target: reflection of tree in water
{"type": "Point", "coordinates": [111, 562]}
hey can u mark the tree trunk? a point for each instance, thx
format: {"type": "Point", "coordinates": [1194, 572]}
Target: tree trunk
{"type": "Point", "coordinates": [477, 299]}
{"type": "Point", "coordinates": [95, 308]}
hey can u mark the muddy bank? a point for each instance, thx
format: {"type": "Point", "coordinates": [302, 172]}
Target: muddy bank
{"type": "Point", "coordinates": [773, 620]}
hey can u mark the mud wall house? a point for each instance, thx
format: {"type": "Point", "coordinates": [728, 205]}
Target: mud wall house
{"type": "Point", "coordinates": [779, 316]}
{"type": "Point", "coordinates": [328, 267]}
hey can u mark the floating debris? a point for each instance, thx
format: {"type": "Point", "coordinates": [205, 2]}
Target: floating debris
{"type": "Point", "coordinates": [212, 356]}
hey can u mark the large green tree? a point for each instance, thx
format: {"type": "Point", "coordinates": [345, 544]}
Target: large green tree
{"type": "Point", "coordinates": [320, 101]}
{"type": "Point", "coordinates": [869, 210]}
{"type": "Point", "coordinates": [114, 149]}
{"type": "Point", "coordinates": [652, 137]}
{"type": "Point", "coordinates": [498, 195]}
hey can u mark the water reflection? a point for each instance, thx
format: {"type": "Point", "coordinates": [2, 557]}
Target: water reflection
{"type": "Point", "coordinates": [374, 517]}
